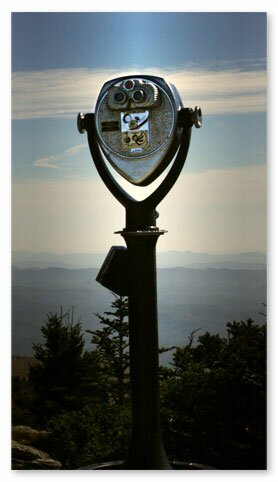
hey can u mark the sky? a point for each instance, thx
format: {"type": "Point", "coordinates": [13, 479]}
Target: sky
{"type": "Point", "coordinates": [60, 62]}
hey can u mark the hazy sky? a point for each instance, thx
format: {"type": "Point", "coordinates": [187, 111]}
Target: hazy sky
{"type": "Point", "coordinates": [216, 60]}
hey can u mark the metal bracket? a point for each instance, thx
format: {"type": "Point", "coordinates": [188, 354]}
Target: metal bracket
{"type": "Point", "coordinates": [114, 271]}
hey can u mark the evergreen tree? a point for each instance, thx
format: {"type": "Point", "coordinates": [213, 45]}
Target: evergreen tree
{"type": "Point", "coordinates": [72, 390]}
{"type": "Point", "coordinates": [111, 343]}
{"type": "Point", "coordinates": [62, 379]}
{"type": "Point", "coordinates": [214, 404]}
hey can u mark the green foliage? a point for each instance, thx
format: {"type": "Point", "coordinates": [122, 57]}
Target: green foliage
{"type": "Point", "coordinates": [111, 343]}
{"type": "Point", "coordinates": [213, 397]}
{"type": "Point", "coordinates": [22, 401]}
{"type": "Point", "coordinates": [65, 377]}
{"type": "Point", "coordinates": [74, 392]}
{"type": "Point", "coordinates": [214, 404]}
{"type": "Point", "coordinates": [94, 434]}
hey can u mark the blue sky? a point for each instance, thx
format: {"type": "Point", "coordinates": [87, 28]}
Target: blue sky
{"type": "Point", "coordinates": [216, 60]}
{"type": "Point", "coordinates": [58, 40]}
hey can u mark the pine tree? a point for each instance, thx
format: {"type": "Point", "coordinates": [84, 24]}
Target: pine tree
{"type": "Point", "coordinates": [214, 404]}
{"type": "Point", "coordinates": [112, 345]}
{"type": "Point", "coordinates": [58, 379]}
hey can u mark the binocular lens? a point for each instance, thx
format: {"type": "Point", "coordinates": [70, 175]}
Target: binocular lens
{"type": "Point", "coordinates": [129, 84]}
{"type": "Point", "coordinates": [138, 95]}
{"type": "Point", "coordinates": [120, 97]}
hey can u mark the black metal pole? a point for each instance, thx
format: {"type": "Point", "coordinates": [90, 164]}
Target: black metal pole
{"type": "Point", "coordinates": [146, 449]}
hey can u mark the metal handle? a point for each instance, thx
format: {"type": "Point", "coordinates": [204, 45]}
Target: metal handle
{"type": "Point", "coordinates": [197, 117]}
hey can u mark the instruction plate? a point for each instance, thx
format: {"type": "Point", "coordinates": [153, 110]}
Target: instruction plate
{"type": "Point", "coordinates": [135, 130]}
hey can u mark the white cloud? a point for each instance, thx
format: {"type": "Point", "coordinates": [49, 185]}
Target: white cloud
{"type": "Point", "coordinates": [65, 92]}
{"type": "Point", "coordinates": [212, 211]}
{"type": "Point", "coordinates": [47, 162]}
{"type": "Point", "coordinates": [52, 161]}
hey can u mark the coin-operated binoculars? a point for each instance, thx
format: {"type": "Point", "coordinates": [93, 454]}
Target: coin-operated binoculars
{"type": "Point", "coordinates": [139, 127]}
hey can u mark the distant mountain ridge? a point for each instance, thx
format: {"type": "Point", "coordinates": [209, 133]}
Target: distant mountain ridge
{"type": "Point", "coordinates": [188, 299]}
{"type": "Point", "coordinates": [167, 259]}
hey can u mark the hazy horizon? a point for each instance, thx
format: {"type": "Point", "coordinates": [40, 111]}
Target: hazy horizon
{"type": "Point", "coordinates": [170, 259]}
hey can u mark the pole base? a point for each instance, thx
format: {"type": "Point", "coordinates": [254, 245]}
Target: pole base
{"type": "Point", "coordinates": [120, 465]}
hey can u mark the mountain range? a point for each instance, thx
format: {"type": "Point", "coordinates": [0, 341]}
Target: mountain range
{"type": "Point", "coordinates": [167, 259]}
{"type": "Point", "coordinates": [188, 299]}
